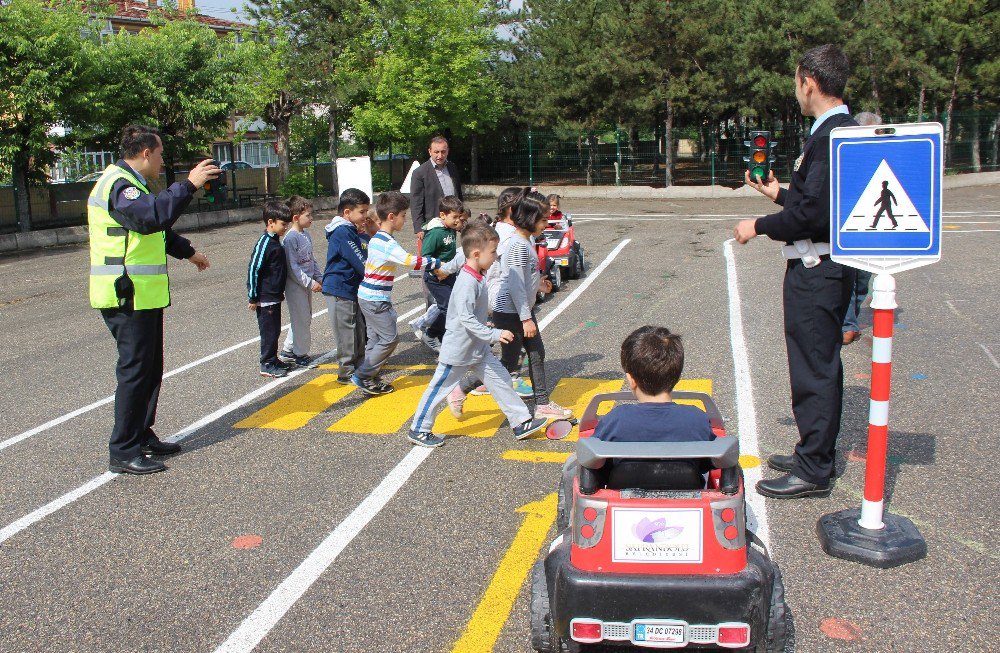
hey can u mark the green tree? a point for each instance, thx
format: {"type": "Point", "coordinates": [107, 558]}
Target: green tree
{"type": "Point", "coordinates": [180, 77]}
{"type": "Point", "coordinates": [47, 80]}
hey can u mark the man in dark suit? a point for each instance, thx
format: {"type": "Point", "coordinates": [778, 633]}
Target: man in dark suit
{"type": "Point", "coordinates": [433, 179]}
{"type": "Point", "coordinates": [816, 290]}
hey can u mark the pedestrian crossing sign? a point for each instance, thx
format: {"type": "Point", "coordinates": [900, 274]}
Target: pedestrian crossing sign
{"type": "Point", "coordinates": [885, 196]}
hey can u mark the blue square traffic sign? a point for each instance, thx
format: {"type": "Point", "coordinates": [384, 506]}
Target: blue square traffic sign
{"type": "Point", "coordinates": [885, 196]}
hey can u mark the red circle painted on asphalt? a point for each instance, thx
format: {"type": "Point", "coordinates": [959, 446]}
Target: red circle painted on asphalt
{"type": "Point", "coordinates": [247, 542]}
{"type": "Point", "coordinates": [855, 456]}
{"type": "Point", "coordinates": [861, 376]}
{"type": "Point", "coordinates": [837, 628]}
{"type": "Point", "coordinates": [587, 531]}
{"type": "Point", "coordinates": [728, 515]}
{"type": "Point", "coordinates": [590, 514]}
{"type": "Point", "coordinates": [730, 532]}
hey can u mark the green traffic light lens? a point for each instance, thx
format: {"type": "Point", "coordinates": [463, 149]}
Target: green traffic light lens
{"type": "Point", "coordinates": [758, 172]}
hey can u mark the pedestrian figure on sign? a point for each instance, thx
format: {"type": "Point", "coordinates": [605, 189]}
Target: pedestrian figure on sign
{"type": "Point", "coordinates": [887, 199]}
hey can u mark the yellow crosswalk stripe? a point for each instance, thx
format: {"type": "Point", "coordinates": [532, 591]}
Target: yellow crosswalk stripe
{"type": "Point", "coordinates": [694, 385]}
{"type": "Point", "coordinates": [385, 414]}
{"type": "Point", "coordinates": [481, 418]}
{"type": "Point", "coordinates": [335, 366]}
{"type": "Point", "coordinates": [524, 456]}
{"type": "Point", "coordinates": [575, 394]}
{"type": "Point", "coordinates": [294, 410]}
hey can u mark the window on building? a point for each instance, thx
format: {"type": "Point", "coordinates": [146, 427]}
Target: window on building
{"type": "Point", "coordinates": [259, 154]}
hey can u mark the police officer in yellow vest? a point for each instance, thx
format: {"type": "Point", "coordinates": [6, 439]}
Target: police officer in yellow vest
{"type": "Point", "coordinates": [130, 237]}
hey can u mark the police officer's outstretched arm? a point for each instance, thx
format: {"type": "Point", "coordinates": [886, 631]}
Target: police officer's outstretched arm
{"type": "Point", "coordinates": [146, 213]}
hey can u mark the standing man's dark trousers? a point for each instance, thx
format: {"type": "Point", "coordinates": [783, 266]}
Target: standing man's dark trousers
{"type": "Point", "coordinates": [815, 302]}
{"type": "Point", "coordinates": [139, 335]}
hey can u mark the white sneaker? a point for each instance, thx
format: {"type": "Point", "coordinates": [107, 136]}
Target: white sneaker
{"type": "Point", "coordinates": [456, 402]}
{"type": "Point", "coordinates": [481, 390]}
{"type": "Point", "coordinates": [418, 327]}
{"type": "Point", "coordinates": [552, 409]}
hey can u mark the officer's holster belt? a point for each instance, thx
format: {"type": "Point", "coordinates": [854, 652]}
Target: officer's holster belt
{"type": "Point", "coordinates": [134, 270]}
{"type": "Point", "coordinates": [806, 250]}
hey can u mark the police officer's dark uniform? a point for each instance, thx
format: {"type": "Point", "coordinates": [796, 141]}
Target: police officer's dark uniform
{"type": "Point", "coordinates": [815, 303]}
{"type": "Point", "coordinates": [130, 237]}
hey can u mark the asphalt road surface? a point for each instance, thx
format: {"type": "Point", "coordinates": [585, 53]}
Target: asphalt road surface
{"type": "Point", "coordinates": [300, 519]}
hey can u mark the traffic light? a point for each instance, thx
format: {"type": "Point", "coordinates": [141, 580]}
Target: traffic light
{"type": "Point", "coordinates": [215, 190]}
{"type": "Point", "coordinates": [759, 160]}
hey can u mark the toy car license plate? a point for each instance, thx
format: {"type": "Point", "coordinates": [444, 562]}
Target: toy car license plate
{"type": "Point", "coordinates": [659, 633]}
{"type": "Point", "coordinates": [563, 262]}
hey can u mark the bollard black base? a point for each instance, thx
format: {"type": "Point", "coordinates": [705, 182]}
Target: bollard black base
{"type": "Point", "coordinates": [896, 544]}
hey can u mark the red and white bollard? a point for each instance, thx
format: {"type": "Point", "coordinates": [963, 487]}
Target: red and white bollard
{"type": "Point", "coordinates": [883, 305]}
{"type": "Point", "coordinates": [870, 535]}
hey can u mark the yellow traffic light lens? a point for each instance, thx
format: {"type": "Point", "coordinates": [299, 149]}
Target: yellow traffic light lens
{"type": "Point", "coordinates": [758, 157]}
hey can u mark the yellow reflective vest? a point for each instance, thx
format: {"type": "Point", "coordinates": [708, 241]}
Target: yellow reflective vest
{"type": "Point", "coordinates": [115, 251]}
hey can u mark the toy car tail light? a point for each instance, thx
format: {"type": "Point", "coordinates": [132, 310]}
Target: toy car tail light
{"type": "Point", "coordinates": [734, 635]}
{"type": "Point", "coordinates": [729, 520]}
{"type": "Point", "coordinates": [588, 521]}
{"type": "Point", "coordinates": [587, 631]}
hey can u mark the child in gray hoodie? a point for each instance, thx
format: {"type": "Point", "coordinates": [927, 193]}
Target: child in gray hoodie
{"type": "Point", "coordinates": [466, 346]}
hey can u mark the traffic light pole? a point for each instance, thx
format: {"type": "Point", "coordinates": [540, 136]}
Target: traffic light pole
{"type": "Point", "coordinates": [870, 535]}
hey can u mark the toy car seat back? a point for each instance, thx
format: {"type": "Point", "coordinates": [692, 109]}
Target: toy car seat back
{"type": "Point", "coordinates": [588, 422]}
{"type": "Point", "coordinates": [661, 465]}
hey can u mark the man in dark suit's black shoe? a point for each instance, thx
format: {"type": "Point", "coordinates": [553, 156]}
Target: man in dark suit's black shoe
{"type": "Point", "coordinates": [137, 465]}
{"type": "Point", "coordinates": [158, 448]}
{"type": "Point", "coordinates": [781, 462]}
{"type": "Point", "coordinates": [791, 486]}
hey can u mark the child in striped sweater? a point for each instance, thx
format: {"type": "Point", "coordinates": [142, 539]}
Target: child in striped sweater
{"type": "Point", "coordinates": [386, 258]}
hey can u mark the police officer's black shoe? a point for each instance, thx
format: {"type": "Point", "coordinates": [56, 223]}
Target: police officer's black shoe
{"type": "Point", "coordinates": [781, 462]}
{"type": "Point", "coordinates": [791, 487]}
{"type": "Point", "coordinates": [158, 448]}
{"type": "Point", "coordinates": [137, 465]}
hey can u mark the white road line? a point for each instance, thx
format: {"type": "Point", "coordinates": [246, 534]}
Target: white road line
{"type": "Point", "coordinates": [37, 515]}
{"type": "Point", "coordinates": [970, 231]}
{"type": "Point", "coordinates": [989, 354]}
{"type": "Point", "coordinates": [107, 400]}
{"type": "Point", "coordinates": [260, 622]}
{"type": "Point", "coordinates": [746, 410]}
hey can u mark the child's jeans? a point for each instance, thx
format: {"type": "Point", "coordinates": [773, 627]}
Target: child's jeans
{"type": "Point", "coordinates": [383, 336]}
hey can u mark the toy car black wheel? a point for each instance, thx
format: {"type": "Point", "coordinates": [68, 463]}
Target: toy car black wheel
{"type": "Point", "coordinates": [565, 494]}
{"type": "Point", "coordinates": [780, 631]}
{"type": "Point", "coordinates": [576, 262]}
{"type": "Point", "coordinates": [543, 639]}
{"type": "Point", "coordinates": [556, 277]}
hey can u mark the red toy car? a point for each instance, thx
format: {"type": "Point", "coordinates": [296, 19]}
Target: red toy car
{"type": "Point", "coordinates": [563, 251]}
{"type": "Point", "coordinates": [653, 551]}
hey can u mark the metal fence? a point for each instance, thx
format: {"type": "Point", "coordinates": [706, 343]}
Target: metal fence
{"type": "Point", "coordinates": [702, 155]}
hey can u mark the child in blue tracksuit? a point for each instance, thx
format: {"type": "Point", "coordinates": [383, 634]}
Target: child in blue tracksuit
{"type": "Point", "coordinates": [346, 252]}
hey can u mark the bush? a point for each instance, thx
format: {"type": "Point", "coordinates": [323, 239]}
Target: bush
{"type": "Point", "coordinates": [298, 183]}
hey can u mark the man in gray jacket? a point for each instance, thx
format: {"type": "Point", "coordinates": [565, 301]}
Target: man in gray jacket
{"type": "Point", "coordinates": [466, 346]}
{"type": "Point", "coordinates": [433, 179]}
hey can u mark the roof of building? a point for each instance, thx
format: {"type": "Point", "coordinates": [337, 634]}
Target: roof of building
{"type": "Point", "coordinates": [131, 10]}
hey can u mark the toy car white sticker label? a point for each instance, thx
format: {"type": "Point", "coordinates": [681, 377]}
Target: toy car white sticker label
{"type": "Point", "coordinates": [656, 536]}
{"type": "Point", "coordinates": [659, 633]}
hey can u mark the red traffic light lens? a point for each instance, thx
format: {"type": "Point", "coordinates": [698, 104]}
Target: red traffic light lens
{"type": "Point", "coordinates": [759, 141]}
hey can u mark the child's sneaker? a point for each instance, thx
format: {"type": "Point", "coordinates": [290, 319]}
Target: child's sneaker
{"type": "Point", "coordinates": [285, 365]}
{"type": "Point", "coordinates": [432, 343]}
{"type": "Point", "coordinates": [552, 409]}
{"type": "Point", "coordinates": [305, 362]}
{"type": "Point", "coordinates": [528, 427]}
{"type": "Point", "coordinates": [426, 439]}
{"type": "Point", "coordinates": [456, 401]}
{"type": "Point", "coordinates": [286, 356]}
{"type": "Point", "coordinates": [418, 327]}
{"type": "Point", "coordinates": [371, 386]}
{"type": "Point", "coordinates": [273, 371]}
{"type": "Point", "coordinates": [523, 389]}
{"type": "Point", "coordinates": [481, 390]}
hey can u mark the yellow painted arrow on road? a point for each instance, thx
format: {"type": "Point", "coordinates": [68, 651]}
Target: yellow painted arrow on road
{"type": "Point", "coordinates": [494, 608]}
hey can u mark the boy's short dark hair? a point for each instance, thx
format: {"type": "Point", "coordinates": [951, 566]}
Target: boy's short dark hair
{"type": "Point", "coordinates": [828, 65]}
{"type": "Point", "coordinates": [477, 235]}
{"type": "Point", "coordinates": [352, 198]}
{"type": "Point", "coordinates": [276, 210]}
{"type": "Point", "coordinates": [391, 201]}
{"type": "Point", "coordinates": [450, 204]}
{"type": "Point", "coordinates": [136, 138]}
{"type": "Point", "coordinates": [299, 205]}
{"type": "Point", "coordinates": [654, 357]}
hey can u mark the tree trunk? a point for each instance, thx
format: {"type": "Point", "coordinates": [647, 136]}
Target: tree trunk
{"type": "Point", "coordinates": [656, 156]}
{"type": "Point", "coordinates": [668, 146]}
{"type": "Point", "coordinates": [22, 198]}
{"type": "Point", "coordinates": [977, 165]}
{"type": "Point", "coordinates": [591, 146]}
{"type": "Point", "coordinates": [702, 143]}
{"type": "Point", "coordinates": [951, 107]}
{"type": "Point", "coordinates": [633, 147]}
{"type": "Point", "coordinates": [283, 131]}
{"type": "Point", "coordinates": [334, 136]}
{"type": "Point", "coordinates": [995, 139]}
{"type": "Point", "coordinates": [474, 155]}
{"type": "Point", "coordinates": [920, 104]}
